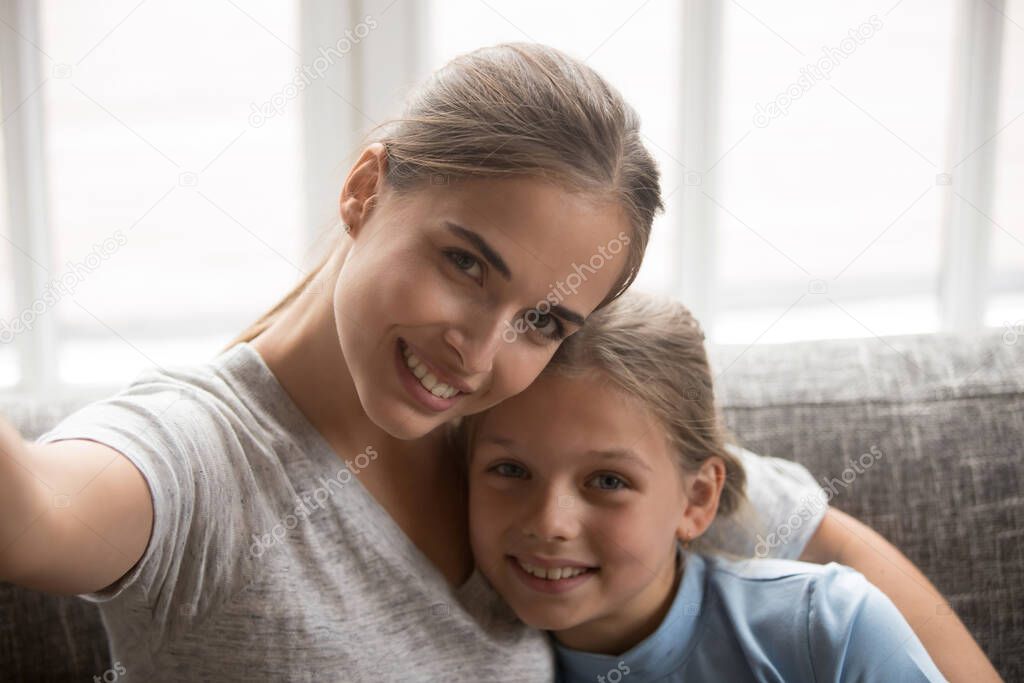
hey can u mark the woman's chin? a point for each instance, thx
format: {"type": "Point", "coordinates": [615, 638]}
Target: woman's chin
{"type": "Point", "coordinates": [402, 423]}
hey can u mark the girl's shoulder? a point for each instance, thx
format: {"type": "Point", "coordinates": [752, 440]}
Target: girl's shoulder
{"type": "Point", "coordinates": [830, 612]}
{"type": "Point", "coordinates": [759, 570]}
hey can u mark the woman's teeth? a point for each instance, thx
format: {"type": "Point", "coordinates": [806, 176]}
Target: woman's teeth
{"type": "Point", "coordinates": [426, 378]}
{"type": "Point", "coordinates": [552, 574]}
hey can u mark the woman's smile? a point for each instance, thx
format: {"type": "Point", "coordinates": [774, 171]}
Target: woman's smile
{"type": "Point", "coordinates": [421, 379]}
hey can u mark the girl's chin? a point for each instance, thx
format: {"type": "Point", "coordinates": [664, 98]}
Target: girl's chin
{"type": "Point", "coordinates": [547, 617]}
{"type": "Point", "coordinates": [548, 622]}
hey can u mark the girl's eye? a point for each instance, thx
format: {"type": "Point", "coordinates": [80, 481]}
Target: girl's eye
{"type": "Point", "coordinates": [548, 325]}
{"type": "Point", "coordinates": [467, 263]}
{"type": "Point", "coordinates": [508, 469]}
{"type": "Point", "coordinates": [610, 482]}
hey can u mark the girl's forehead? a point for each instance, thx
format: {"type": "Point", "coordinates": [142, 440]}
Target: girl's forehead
{"type": "Point", "coordinates": [559, 401]}
{"type": "Point", "coordinates": [561, 418]}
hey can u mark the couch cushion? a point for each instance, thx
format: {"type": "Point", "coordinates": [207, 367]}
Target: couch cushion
{"type": "Point", "coordinates": [919, 437]}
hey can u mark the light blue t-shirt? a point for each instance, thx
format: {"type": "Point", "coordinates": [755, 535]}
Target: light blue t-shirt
{"type": "Point", "coordinates": [766, 620]}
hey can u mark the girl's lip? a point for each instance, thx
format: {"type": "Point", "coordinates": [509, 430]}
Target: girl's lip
{"type": "Point", "coordinates": [553, 562]}
{"type": "Point", "coordinates": [548, 585]}
{"type": "Point", "coordinates": [413, 386]}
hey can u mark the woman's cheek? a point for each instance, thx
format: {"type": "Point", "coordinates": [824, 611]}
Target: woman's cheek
{"type": "Point", "coordinates": [517, 364]}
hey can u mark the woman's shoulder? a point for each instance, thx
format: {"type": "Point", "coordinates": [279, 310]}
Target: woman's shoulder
{"type": "Point", "coordinates": [232, 389]}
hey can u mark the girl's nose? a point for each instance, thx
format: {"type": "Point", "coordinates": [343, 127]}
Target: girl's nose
{"type": "Point", "coordinates": [553, 515]}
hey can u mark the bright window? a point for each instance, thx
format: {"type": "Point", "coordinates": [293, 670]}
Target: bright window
{"type": "Point", "coordinates": [175, 219]}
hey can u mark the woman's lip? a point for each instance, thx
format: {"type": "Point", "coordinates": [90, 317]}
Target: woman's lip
{"type": "Point", "coordinates": [441, 376]}
{"type": "Point", "coordinates": [413, 386]}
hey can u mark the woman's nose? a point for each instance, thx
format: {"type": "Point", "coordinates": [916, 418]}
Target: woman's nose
{"type": "Point", "coordinates": [477, 342]}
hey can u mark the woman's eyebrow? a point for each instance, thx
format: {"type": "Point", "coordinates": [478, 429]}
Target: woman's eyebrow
{"type": "Point", "coordinates": [492, 256]}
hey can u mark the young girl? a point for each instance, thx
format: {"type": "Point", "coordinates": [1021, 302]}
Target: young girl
{"type": "Point", "coordinates": [291, 509]}
{"type": "Point", "coordinates": [586, 488]}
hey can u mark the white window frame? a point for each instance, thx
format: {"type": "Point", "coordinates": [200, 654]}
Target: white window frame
{"type": "Point", "coordinates": [25, 158]}
{"type": "Point", "coordinates": [364, 88]}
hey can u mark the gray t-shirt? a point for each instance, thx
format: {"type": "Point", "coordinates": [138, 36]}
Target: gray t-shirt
{"type": "Point", "coordinates": [269, 559]}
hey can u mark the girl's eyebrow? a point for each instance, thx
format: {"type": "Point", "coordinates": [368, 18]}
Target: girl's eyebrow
{"type": "Point", "coordinates": [498, 440]}
{"type": "Point", "coordinates": [606, 453]}
{"type": "Point", "coordinates": [498, 263]}
{"type": "Point", "coordinates": [622, 454]}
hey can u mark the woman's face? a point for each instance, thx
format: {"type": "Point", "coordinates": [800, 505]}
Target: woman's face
{"type": "Point", "coordinates": [437, 302]}
{"type": "Point", "coordinates": [577, 481]}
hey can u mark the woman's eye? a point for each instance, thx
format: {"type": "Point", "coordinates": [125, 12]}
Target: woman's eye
{"type": "Point", "coordinates": [610, 482]}
{"type": "Point", "coordinates": [547, 324]}
{"type": "Point", "coordinates": [508, 469]}
{"type": "Point", "coordinates": [467, 263]}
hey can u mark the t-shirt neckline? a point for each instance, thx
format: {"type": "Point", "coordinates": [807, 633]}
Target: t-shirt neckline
{"type": "Point", "coordinates": [242, 359]}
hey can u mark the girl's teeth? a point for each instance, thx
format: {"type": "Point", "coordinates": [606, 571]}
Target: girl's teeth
{"type": "Point", "coordinates": [426, 378]}
{"type": "Point", "coordinates": [552, 574]}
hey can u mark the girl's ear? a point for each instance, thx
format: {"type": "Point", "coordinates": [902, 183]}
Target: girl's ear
{"type": "Point", "coordinates": [703, 489]}
{"type": "Point", "coordinates": [363, 187]}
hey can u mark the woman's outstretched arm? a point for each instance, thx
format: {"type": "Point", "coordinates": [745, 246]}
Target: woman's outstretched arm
{"type": "Point", "coordinates": [841, 538]}
{"type": "Point", "coordinates": [74, 515]}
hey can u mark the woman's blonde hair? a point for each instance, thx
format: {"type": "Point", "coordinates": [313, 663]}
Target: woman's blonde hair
{"type": "Point", "coordinates": [651, 348]}
{"type": "Point", "coordinates": [517, 109]}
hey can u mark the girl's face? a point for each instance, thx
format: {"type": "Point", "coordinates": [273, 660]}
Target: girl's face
{"type": "Point", "coordinates": [436, 304]}
{"type": "Point", "coordinates": [573, 474]}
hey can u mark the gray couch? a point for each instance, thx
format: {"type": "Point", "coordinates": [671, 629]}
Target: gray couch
{"type": "Point", "coordinates": [946, 415]}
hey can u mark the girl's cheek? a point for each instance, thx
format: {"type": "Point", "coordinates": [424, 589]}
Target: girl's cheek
{"type": "Point", "coordinates": [620, 533]}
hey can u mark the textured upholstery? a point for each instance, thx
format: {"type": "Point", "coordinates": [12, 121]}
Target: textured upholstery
{"type": "Point", "coordinates": [941, 418]}
{"type": "Point", "coordinates": [946, 416]}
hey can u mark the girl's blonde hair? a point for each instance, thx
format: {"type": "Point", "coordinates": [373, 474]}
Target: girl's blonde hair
{"type": "Point", "coordinates": [517, 109]}
{"type": "Point", "coordinates": [651, 348]}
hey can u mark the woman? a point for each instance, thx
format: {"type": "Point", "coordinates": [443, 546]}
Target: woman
{"type": "Point", "coordinates": [208, 511]}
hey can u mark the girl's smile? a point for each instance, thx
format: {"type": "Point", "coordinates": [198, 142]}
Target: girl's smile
{"type": "Point", "coordinates": [550, 576]}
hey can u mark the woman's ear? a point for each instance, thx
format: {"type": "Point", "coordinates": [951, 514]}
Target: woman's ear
{"type": "Point", "coordinates": [702, 489]}
{"type": "Point", "coordinates": [363, 187]}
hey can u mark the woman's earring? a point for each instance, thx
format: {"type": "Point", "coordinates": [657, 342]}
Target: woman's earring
{"type": "Point", "coordinates": [347, 228]}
